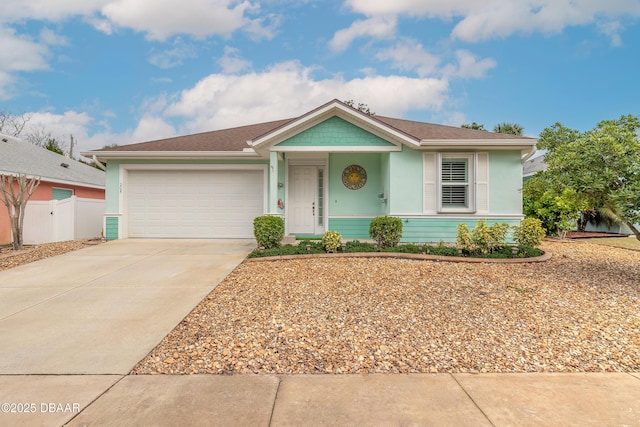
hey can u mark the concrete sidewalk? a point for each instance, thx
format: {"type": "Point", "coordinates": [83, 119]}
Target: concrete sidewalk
{"type": "Point", "coordinates": [325, 400]}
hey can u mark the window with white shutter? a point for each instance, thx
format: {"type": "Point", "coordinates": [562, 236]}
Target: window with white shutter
{"type": "Point", "coordinates": [456, 182]}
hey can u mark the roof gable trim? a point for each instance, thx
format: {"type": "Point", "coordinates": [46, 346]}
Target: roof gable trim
{"type": "Point", "coordinates": [334, 108]}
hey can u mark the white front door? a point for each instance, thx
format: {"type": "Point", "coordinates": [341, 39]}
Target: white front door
{"type": "Point", "coordinates": [306, 200]}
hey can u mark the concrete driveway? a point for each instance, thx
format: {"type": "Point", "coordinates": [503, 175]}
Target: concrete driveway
{"type": "Point", "coordinates": [101, 309]}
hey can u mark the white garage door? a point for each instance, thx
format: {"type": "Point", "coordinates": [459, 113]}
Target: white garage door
{"type": "Point", "coordinates": [195, 204]}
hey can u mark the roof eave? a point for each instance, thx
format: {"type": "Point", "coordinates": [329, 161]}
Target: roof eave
{"type": "Point", "coordinates": [153, 155]}
{"type": "Point", "coordinates": [55, 180]}
{"type": "Point", "coordinates": [527, 147]}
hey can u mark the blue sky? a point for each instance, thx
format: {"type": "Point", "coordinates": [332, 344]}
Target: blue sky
{"type": "Point", "coordinates": [124, 71]}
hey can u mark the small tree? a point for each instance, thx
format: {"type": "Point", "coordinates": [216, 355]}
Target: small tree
{"type": "Point", "coordinates": [601, 165]}
{"type": "Point", "coordinates": [53, 145]}
{"type": "Point", "coordinates": [16, 192]}
{"type": "Point", "coordinates": [12, 124]}
{"type": "Point", "coordinates": [362, 107]}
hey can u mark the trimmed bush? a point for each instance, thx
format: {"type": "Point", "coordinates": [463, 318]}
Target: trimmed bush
{"type": "Point", "coordinates": [440, 250]}
{"type": "Point", "coordinates": [386, 231]}
{"type": "Point", "coordinates": [357, 246]}
{"type": "Point", "coordinates": [268, 231]}
{"type": "Point", "coordinates": [406, 249]}
{"type": "Point", "coordinates": [498, 232]}
{"type": "Point", "coordinates": [484, 239]}
{"type": "Point", "coordinates": [481, 236]}
{"type": "Point", "coordinates": [331, 241]}
{"type": "Point", "coordinates": [464, 239]}
{"type": "Point", "coordinates": [529, 232]}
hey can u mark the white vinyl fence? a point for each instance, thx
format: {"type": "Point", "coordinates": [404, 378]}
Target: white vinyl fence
{"type": "Point", "coordinates": [60, 220]}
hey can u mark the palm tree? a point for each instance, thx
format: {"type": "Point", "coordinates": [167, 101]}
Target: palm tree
{"type": "Point", "coordinates": [474, 126]}
{"type": "Point", "coordinates": [509, 128]}
{"type": "Point", "coordinates": [598, 216]}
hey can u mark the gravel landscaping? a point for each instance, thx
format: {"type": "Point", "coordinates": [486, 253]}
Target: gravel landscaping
{"type": "Point", "coordinates": [578, 312]}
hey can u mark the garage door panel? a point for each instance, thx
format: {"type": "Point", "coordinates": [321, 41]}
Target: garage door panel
{"type": "Point", "coordinates": [194, 203]}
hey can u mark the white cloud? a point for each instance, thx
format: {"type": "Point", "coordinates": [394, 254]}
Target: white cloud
{"type": "Point", "coordinates": [20, 53]}
{"type": "Point", "coordinates": [289, 89]}
{"type": "Point", "coordinates": [47, 10]}
{"type": "Point", "coordinates": [455, 118]}
{"type": "Point", "coordinates": [173, 57]}
{"type": "Point", "coordinates": [222, 100]}
{"type": "Point", "coordinates": [49, 37]}
{"type": "Point", "coordinates": [378, 27]}
{"type": "Point", "coordinates": [612, 30]}
{"type": "Point", "coordinates": [409, 55]}
{"type": "Point", "coordinates": [82, 127]}
{"type": "Point", "coordinates": [470, 67]}
{"type": "Point", "coordinates": [160, 19]}
{"type": "Point", "coordinates": [150, 128]}
{"type": "Point", "coordinates": [231, 62]}
{"type": "Point", "coordinates": [102, 25]}
{"type": "Point", "coordinates": [501, 18]}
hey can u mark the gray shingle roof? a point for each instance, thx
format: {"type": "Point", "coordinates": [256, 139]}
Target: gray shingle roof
{"type": "Point", "coordinates": [21, 157]}
{"type": "Point", "coordinates": [534, 165]}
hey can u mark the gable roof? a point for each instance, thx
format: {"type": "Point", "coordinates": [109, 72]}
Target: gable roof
{"type": "Point", "coordinates": [243, 140]}
{"type": "Point", "coordinates": [21, 157]}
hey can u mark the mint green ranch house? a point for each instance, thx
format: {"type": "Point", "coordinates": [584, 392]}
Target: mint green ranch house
{"type": "Point", "coordinates": [332, 168]}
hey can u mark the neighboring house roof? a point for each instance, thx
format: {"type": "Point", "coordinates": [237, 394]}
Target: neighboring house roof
{"type": "Point", "coordinates": [534, 165]}
{"type": "Point", "coordinates": [21, 157]}
{"type": "Point", "coordinates": [246, 140]}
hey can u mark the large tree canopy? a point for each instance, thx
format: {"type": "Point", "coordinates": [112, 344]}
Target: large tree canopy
{"type": "Point", "coordinates": [601, 165]}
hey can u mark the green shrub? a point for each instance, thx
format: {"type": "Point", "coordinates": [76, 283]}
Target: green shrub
{"type": "Point", "coordinates": [268, 231]}
{"type": "Point", "coordinates": [357, 246]}
{"type": "Point", "coordinates": [314, 247]}
{"type": "Point", "coordinates": [529, 232]}
{"type": "Point", "coordinates": [405, 249]}
{"type": "Point", "coordinates": [464, 239]}
{"type": "Point", "coordinates": [331, 240]}
{"type": "Point", "coordinates": [484, 239]}
{"type": "Point", "coordinates": [481, 236]}
{"type": "Point", "coordinates": [440, 250]}
{"type": "Point", "coordinates": [386, 231]}
{"type": "Point", "coordinates": [498, 232]}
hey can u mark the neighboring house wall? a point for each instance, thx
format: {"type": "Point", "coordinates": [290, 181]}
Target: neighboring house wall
{"type": "Point", "coordinates": [44, 192]}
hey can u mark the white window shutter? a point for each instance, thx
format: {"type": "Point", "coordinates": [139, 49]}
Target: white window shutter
{"type": "Point", "coordinates": [482, 184]}
{"type": "Point", "coordinates": [430, 174]}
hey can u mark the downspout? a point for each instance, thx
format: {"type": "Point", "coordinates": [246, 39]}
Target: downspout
{"type": "Point", "coordinates": [528, 155]}
{"type": "Point", "coordinates": [98, 163]}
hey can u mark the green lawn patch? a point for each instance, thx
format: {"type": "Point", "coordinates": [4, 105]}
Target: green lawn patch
{"type": "Point", "coordinates": [619, 242]}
